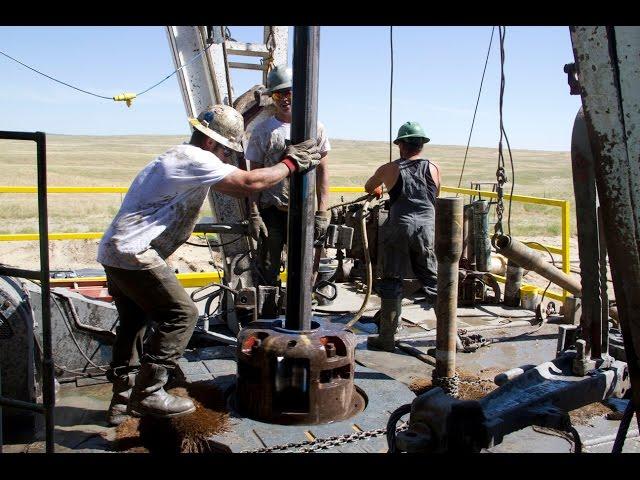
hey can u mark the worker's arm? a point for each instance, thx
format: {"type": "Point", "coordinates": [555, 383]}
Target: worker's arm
{"type": "Point", "coordinates": [435, 174]}
{"type": "Point", "coordinates": [322, 182]}
{"type": "Point", "coordinates": [376, 180]}
{"type": "Point", "coordinates": [254, 196]}
{"type": "Point", "coordinates": [242, 183]}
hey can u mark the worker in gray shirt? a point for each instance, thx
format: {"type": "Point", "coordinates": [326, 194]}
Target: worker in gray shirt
{"type": "Point", "coordinates": [269, 208]}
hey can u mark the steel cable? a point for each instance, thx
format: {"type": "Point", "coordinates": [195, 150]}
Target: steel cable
{"type": "Point", "coordinates": [464, 163]}
{"type": "Point", "coordinates": [102, 96]}
{"type": "Point", "coordinates": [391, 97]}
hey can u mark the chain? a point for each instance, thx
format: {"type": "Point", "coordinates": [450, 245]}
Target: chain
{"type": "Point", "coordinates": [501, 174]}
{"type": "Point", "coordinates": [312, 446]}
{"type": "Point", "coordinates": [448, 384]}
{"type": "Point", "coordinates": [271, 46]}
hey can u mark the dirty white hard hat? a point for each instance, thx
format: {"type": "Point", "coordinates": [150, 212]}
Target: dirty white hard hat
{"type": "Point", "coordinates": [222, 123]}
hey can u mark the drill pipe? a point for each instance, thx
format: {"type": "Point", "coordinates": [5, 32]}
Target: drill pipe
{"type": "Point", "coordinates": [512, 284]}
{"type": "Point", "coordinates": [529, 259]}
{"type": "Point", "coordinates": [481, 242]}
{"type": "Point", "coordinates": [468, 248]}
{"type": "Point", "coordinates": [448, 248]}
{"type": "Point", "coordinates": [302, 186]}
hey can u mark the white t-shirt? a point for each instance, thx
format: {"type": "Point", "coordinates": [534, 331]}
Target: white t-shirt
{"type": "Point", "coordinates": [267, 143]}
{"type": "Point", "coordinates": [161, 208]}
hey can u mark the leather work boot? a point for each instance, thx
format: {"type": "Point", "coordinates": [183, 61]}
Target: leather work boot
{"type": "Point", "coordinates": [122, 385]}
{"type": "Point", "coordinates": [388, 325]}
{"type": "Point", "coordinates": [148, 396]}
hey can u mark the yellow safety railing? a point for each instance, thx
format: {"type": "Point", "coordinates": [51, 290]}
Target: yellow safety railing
{"type": "Point", "coordinates": [203, 278]}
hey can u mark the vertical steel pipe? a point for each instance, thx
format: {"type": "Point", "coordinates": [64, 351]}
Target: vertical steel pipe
{"type": "Point", "coordinates": [584, 187]}
{"type": "Point", "coordinates": [48, 389]}
{"type": "Point", "coordinates": [512, 284]}
{"type": "Point", "coordinates": [302, 186]}
{"type": "Point", "coordinates": [468, 245]}
{"type": "Point", "coordinates": [448, 248]}
{"type": "Point", "coordinates": [482, 244]}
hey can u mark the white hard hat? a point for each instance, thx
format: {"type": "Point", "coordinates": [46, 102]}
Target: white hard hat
{"type": "Point", "coordinates": [222, 123]}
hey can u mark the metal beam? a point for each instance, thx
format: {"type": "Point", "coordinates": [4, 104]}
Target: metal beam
{"type": "Point", "coordinates": [608, 70]}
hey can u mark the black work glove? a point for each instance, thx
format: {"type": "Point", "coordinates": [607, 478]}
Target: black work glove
{"type": "Point", "coordinates": [320, 224]}
{"type": "Point", "coordinates": [303, 156]}
{"type": "Point", "coordinates": [256, 225]}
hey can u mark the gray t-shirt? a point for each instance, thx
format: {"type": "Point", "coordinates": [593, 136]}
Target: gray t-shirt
{"type": "Point", "coordinates": [266, 146]}
{"type": "Point", "coordinates": [161, 208]}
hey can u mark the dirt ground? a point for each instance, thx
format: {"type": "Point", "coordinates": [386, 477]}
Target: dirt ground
{"type": "Point", "coordinates": [81, 254]}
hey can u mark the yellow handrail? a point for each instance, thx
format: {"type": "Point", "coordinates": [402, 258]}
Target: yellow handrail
{"type": "Point", "coordinates": [564, 250]}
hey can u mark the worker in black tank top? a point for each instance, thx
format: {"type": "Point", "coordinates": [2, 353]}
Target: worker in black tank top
{"type": "Point", "coordinates": [408, 233]}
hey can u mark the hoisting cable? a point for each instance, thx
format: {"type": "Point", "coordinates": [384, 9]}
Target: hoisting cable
{"type": "Point", "coordinates": [501, 174]}
{"type": "Point", "coordinates": [391, 96]}
{"type": "Point", "coordinates": [464, 163]}
{"type": "Point", "coordinates": [226, 66]}
{"type": "Point", "coordinates": [123, 97]}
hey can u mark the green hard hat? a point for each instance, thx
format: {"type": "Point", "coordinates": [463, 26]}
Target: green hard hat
{"type": "Point", "coordinates": [279, 78]}
{"type": "Point", "coordinates": [410, 131]}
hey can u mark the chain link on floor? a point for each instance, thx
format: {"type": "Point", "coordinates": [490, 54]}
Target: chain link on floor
{"type": "Point", "coordinates": [313, 446]}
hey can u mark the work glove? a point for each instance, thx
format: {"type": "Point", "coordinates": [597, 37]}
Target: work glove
{"type": "Point", "coordinates": [377, 192]}
{"type": "Point", "coordinates": [256, 225]}
{"type": "Point", "coordinates": [302, 156]}
{"type": "Point", "coordinates": [320, 224]}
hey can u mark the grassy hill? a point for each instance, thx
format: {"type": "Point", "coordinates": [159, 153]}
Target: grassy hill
{"type": "Point", "coordinates": [115, 160]}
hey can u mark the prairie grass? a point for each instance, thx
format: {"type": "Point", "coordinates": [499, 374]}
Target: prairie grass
{"type": "Point", "coordinates": [115, 160]}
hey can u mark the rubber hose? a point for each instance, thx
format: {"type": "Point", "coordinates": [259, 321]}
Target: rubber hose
{"type": "Point", "coordinates": [391, 426]}
{"type": "Point", "coordinates": [367, 259]}
{"type": "Point", "coordinates": [624, 427]}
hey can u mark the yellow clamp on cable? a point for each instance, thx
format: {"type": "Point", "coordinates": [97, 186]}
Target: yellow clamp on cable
{"type": "Point", "coordinates": [125, 97]}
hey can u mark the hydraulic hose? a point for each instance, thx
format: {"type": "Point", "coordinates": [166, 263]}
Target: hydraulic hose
{"type": "Point", "coordinates": [367, 259]}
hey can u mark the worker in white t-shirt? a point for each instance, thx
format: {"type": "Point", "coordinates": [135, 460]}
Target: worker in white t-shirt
{"type": "Point", "coordinates": [158, 215]}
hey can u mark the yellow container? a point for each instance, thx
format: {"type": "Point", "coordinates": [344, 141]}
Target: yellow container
{"type": "Point", "coordinates": [529, 297]}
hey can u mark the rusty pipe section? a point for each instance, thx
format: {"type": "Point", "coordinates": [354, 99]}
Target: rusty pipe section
{"type": "Point", "coordinates": [529, 259]}
{"type": "Point", "coordinates": [584, 187]}
{"type": "Point", "coordinates": [448, 248]}
{"type": "Point", "coordinates": [481, 242]}
{"type": "Point", "coordinates": [512, 284]}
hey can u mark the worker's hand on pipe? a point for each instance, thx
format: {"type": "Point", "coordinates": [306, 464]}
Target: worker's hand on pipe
{"type": "Point", "coordinates": [377, 192]}
{"type": "Point", "coordinates": [320, 225]}
{"type": "Point", "coordinates": [256, 225]}
{"type": "Point", "coordinates": [302, 156]}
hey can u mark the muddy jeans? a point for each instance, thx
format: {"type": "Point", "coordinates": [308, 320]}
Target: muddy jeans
{"type": "Point", "coordinates": [270, 248]}
{"type": "Point", "coordinates": [142, 295]}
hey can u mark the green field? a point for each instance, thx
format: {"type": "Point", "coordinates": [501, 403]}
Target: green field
{"type": "Point", "coordinates": [115, 160]}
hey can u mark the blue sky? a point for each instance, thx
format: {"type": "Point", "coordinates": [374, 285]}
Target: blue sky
{"type": "Point", "coordinates": [437, 73]}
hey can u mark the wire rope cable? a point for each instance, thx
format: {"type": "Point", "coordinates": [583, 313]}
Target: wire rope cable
{"type": "Point", "coordinates": [475, 111]}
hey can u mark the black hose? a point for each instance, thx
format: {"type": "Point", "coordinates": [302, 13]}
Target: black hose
{"type": "Point", "coordinates": [391, 426]}
{"type": "Point", "coordinates": [624, 428]}
{"type": "Point", "coordinates": [577, 443]}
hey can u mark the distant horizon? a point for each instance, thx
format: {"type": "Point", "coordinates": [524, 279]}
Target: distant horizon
{"type": "Point", "coordinates": [330, 139]}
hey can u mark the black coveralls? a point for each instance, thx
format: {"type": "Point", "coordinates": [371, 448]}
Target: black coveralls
{"type": "Point", "coordinates": [409, 231]}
